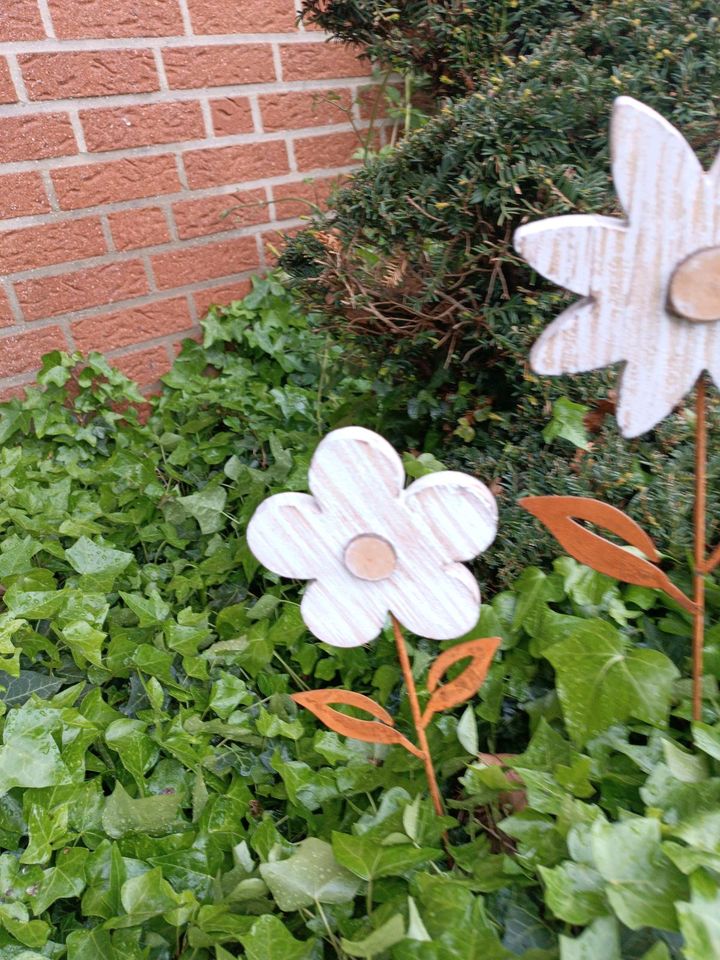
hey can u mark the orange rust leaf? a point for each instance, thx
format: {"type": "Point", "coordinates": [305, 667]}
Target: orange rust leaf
{"type": "Point", "coordinates": [466, 684]}
{"type": "Point", "coordinates": [560, 516]}
{"type": "Point", "coordinates": [319, 703]}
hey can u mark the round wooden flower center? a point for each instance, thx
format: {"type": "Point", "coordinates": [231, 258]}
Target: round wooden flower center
{"type": "Point", "coordinates": [370, 557]}
{"type": "Point", "coordinates": [695, 286]}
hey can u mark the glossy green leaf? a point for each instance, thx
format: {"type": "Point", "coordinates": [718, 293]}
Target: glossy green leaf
{"type": "Point", "coordinates": [602, 680]}
{"type": "Point", "coordinates": [642, 884]}
{"type": "Point", "coordinates": [311, 875]}
{"type": "Point", "coordinates": [378, 941]}
{"type": "Point", "coordinates": [369, 860]}
{"type": "Point", "coordinates": [270, 939]}
{"type": "Point", "coordinates": [601, 939]}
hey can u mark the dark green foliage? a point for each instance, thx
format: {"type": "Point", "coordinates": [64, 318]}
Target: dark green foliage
{"type": "Point", "coordinates": [448, 46]}
{"type": "Point", "coordinates": [416, 260]}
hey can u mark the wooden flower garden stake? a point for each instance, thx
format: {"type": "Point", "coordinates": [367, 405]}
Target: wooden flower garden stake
{"type": "Point", "coordinates": [372, 547]}
{"type": "Point", "coordinates": [651, 300]}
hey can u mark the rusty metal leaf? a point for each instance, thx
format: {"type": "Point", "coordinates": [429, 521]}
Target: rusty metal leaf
{"type": "Point", "coordinates": [560, 516]}
{"type": "Point", "coordinates": [466, 684]}
{"type": "Point", "coordinates": [318, 702]}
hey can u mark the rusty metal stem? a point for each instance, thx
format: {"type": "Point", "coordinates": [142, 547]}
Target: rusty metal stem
{"type": "Point", "coordinates": [700, 546]}
{"type": "Point", "coordinates": [417, 716]}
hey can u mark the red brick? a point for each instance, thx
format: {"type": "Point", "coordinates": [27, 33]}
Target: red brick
{"type": "Point", "coordinates": [54, 76]}
{"type": "Point", "coordinates": [197, 218]}
{"type": "Point", "coordinates": [81, 289]}
{"type": "Point", "coordinates": [373, 102]}
{"type": "Point", "coordinates": [128, 179]}
{"type": "Point", "coordinates": [189, 264]}
{"type": "Point", "coordinates": [305, 108]}
{"type": "Point", "coordinates": [144, 366]}
{"type": "Point", "coordinates": [6, 315]}
{"type": "Point", "coordinates": [220, 66]}
{"type": "Point", "coordinates": [21, 195]}
{"type": "Point", "coordinates": [34, 247]}
{"type": "Point", "coordinates": [221, 295]}
{"type": "Point", "coordinates": [321, 61]}
{"type": "Point", "coordinates": [247, 16]}
{"type": "Point", "coordinates": [251, 161]}
{"type": "Point", "coordinates": [8, 393]}
{"type": "Point", "coordinates": [125, 327]}
{"type": "Point", "coordinates": [139, 228]}
{"type": "Point", "coordinates": [20, 353]}
{"type": "Point", "coordinates": [7, 87]}
{"type": "Point", "coordinates": [20, 20]}
{"type": "Point", "coordinates": [333, 150]}
{"type": "Point", "coordinates": [75, 19]}
{"type": "Point", "coordinates": [299, 199]}
{"type": "Point", "coordinates": [35, 137]}
{"type": "Point", "coordinates": [121, 128]}
{"type": "Point", "coordinates": [231, 115]}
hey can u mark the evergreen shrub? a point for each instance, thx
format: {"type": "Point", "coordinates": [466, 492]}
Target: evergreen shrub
{"type": "Point", "coordinates": [415, 259]}
{"type": "Point", "coordinates": [448, 46]}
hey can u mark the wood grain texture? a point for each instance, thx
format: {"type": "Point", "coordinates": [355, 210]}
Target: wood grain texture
{"type": "Point", "coordinates": [624, 269]}
{"type": "Point", "coordinates": [357, 483]}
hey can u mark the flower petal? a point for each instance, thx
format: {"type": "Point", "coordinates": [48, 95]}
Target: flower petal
{"type": "Point", "coordinates": [576, 341]}
{"type": "Point", "coordinates": [441, 607]}
{"type": "Point", "coordinates": [287, 535]}
{"type": "Point", "coordinates": [647, 393]}
{"type": "Point", "coordinates": [655, 171]}
{"type": "Point", "coordinates": [456, 511]}
{"type": "Point", "coordinates": [565, 249]}
{"type": "Point", "coordinates": [344, 612]}
{"type": "Point", "coordinates": [354, 473]}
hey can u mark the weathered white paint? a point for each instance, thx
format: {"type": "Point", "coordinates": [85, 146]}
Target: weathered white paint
{"type": "Point", "coordinates": [625, 269]}
{"type": "Point", "coordinates": [372, 547]}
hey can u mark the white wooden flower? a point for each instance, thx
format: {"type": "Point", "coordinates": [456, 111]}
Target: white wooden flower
{"type": "Point", "coordinates": [371, 547]}
{"type": "Point", "coordinates": [651, 283]}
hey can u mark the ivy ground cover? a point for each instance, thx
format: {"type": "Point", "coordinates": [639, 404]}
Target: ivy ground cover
{"type": "Point", "coordinates": [162, 797]}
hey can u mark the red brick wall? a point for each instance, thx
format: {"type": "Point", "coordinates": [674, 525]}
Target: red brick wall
{"type": "Point", "coordinates": [127, 129]}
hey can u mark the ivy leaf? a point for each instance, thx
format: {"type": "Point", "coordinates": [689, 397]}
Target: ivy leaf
{"type": "Point", "coordinates": [601, 939]}
{"type": "Point", "coordinates": [456, 921]}
{"type": "Point", "coordinates": [207, 507]}
{"type": "Point", "coordinates": [643, 885]}
{"type": "Point", "coordinates": [90, 945]}
{"type": "Point", "coordinates": [574, 892]}
{"type": "Point", "coordinates": [602, 681]}
{"type": "Point", "coordinates": [311, 875]}
{"type": "Point", "coordinates": [31, 759]}
{"type": "Point", "coordinates": [270, 939]}
{"type": "Point", "coordinates": [137, 751]}
{"type": "Point", "coordinates": [16, 554]}
{"type": "Point", "coordinates": [45, 828]}
{"type": "Point", "coordinates": [700, 919]}
{"type": "Point", "coordinates": [151, 610]}
{"type": "Point", "coordinates": [369, 860]}
{"type": "Point", "coordinates": [568, 422]}
{"type": "Point", "coordinates": [377, 942]}
{"type": "Point", "coordinates": [65, 879]}
{"type": "Point", "coordinates": [87, 557]}
{"type": "Point", "coordinates": [144, 897]}
{"type": "Point", "coordinates": [707, 738]}
{"type": "Point", "coordinates": [123, 815]}
{"type": "Point", "coordinates": [17, 690]}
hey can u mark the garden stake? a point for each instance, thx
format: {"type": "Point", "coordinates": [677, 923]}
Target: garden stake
{"type": "Point", "coordinates": [417, 716]}
{"type": "Point", "coordinates": [700, 560]}
{"type": "Point", "coordinates": [372, 547]}
{"type": "Point", "coordinates": [652, 301]}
